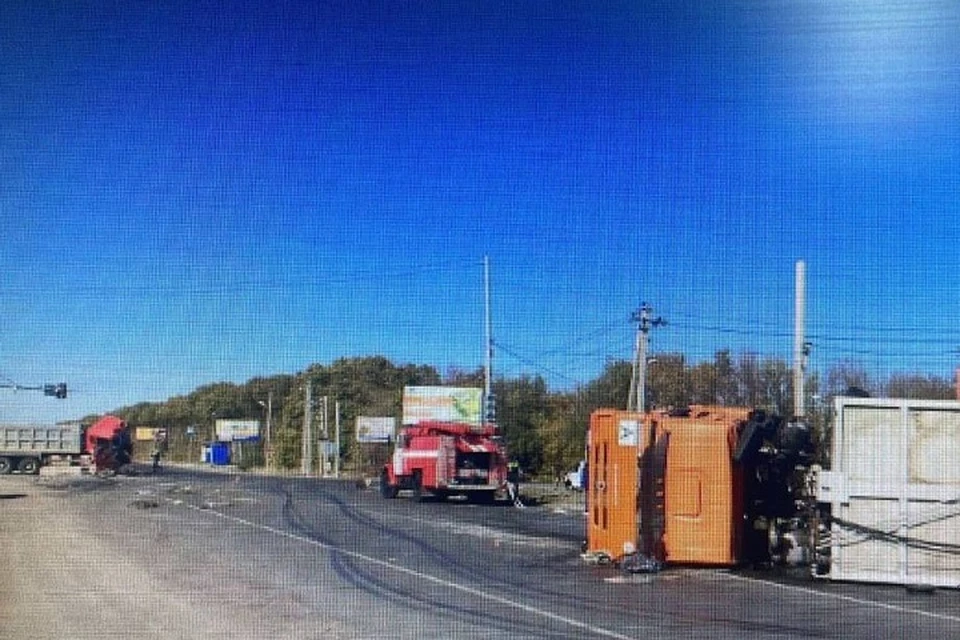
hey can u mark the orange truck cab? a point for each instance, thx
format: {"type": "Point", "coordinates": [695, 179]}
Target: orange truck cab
{"type": "Point", "coordinates": [665, 484]}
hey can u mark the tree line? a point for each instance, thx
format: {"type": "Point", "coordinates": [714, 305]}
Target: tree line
{"type": "Point", "coordinates": [544, 430]}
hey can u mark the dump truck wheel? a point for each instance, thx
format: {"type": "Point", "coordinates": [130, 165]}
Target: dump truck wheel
{"type": "Point", "coordinates": [387, 490]}
{"type": "Point", "coordinates": [6, 466]}
{"type": "Point", "coordinates": [29, 465]}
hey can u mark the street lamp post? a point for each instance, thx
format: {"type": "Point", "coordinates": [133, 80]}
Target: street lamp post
{"type": "Point", "coordinates": [267, 449]}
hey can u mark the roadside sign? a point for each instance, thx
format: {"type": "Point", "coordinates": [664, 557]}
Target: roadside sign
{"type": "Point", "coordinates": [145, 433]}
{"type": "Point", "coordinates": [444, 404]}
{"type": "Point", "coordinates": [375, 429]}
{"type": "Point", "coordinates": [238, 430]}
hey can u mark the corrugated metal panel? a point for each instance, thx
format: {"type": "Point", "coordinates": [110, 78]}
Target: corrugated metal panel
{"type": "Point", "coordinates": [894, 488]}
{"type": "Point", "coordinates": [40, 439]}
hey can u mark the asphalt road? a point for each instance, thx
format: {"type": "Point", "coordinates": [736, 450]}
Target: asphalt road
{"type": "Point", "coordinates": [213, 555]}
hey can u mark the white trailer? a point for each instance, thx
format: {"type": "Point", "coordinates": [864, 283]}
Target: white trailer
{"type": "Point", "coordinates": [893, 492]}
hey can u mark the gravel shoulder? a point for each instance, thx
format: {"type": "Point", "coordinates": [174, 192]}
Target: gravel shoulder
{"type": "Point", "coordinates": [86, 558]}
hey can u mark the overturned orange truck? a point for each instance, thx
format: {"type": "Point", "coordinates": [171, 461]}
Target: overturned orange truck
{"type": "Point", "coordinates": [728, 486]}
{"type": "Point", "coordinates": [700, 486]}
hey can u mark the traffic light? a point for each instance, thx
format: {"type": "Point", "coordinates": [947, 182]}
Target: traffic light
{"type": "Point", "coordinates": [490, 409]}
{"type": "Point", "coordinates": [58, 391]}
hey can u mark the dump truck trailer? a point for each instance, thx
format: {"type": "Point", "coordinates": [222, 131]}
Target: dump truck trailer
{"type": "Point", "coordinates": [26, 448]}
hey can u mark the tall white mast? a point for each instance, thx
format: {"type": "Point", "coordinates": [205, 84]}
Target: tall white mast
{"type": "Point", "coordinates": [488, 400]}
{"type": "Point", "coordinates": [799, 341]}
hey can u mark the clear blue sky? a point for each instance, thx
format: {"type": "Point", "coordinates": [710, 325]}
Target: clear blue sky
{"type": "Point", "coordinates": [201, 191]}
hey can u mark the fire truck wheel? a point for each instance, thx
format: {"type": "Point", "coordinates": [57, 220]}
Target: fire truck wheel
{"type": "Point", "coordinates": [6, 466]}
{"type": "Point", "coordinates": [482, 497]}
{"type": "Point", "coordinates": [29, 465]}
{"type": "Point", "coordinates": [387, 490]}
{"type": "Point", "coordinates": [417, 486]}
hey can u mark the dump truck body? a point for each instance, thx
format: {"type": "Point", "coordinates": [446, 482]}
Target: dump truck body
{"type": "Point", "coordinates": [26, 448]}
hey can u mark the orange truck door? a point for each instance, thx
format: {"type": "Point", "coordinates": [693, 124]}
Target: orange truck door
{"type": "Point", "coordinates": [612, 519]}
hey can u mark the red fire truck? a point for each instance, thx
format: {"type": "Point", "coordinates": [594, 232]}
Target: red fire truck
{"type": "Point", "coordinates": [447, 458]}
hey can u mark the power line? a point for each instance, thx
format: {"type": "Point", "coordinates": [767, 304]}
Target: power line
{"type": "Point", "coordinates": [553, 372]}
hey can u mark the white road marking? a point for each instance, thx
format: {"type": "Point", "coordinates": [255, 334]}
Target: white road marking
{"type": "Point", "coordinates": [599, 631]}
{"type": "Point", "coordinates": [843, 598]}
{"type": "Point", "coordinates": [483, 532]}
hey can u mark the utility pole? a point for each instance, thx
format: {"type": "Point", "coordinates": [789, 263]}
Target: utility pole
{"type": "Point", "coordinates": [800, 346]}
{"type": "Point", "coordinates": [336, 443]}
{"type": "Point", "coordinates": [267, 439]}
{"type": "Point", "coordinates": [324, 439]}
{"type": "Point", "coordinates": [637, 399]}
{"type": "Point", "coordinates": [306, 455]}
{"type": "Point", "coordinates": [489, 402]}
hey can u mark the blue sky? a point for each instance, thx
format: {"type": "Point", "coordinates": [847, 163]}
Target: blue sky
{"type": "Point", "coordinates": [201, 191]}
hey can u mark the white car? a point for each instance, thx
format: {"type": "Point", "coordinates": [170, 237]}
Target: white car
{"type": "Point", "coordinates": [577, 478]}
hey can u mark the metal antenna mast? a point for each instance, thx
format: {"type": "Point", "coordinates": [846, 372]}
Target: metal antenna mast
{"type": "Point", "coordinates": [489, 404]}
{"type": "Point", "coordinates": [801, 348]}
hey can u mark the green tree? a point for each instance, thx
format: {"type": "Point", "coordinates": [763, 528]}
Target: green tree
{"type": "Point", "coordinates": [845, 377]}
{"type": "Point", "coordinates": [776, 387]}
{"type": "Point", "coordinates": [703, 383]}
{"type": "Point", "coordinates": [563, 432]}
{"type": "Point", "coordinates": [919, 387]}
{"type": "Point", "coordinates": [668, 382]}
{"type": "Point", "coordinates": [611, 388]}
{"type": "Point", "coordinates": [522, 409]}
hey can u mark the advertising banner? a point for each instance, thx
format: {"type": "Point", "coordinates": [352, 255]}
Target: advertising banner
{"type": "Point", "coordinates": [446, 404]}
{"type": "Point", "coordinates": [375, 429]}
{"type": "Point", "coordinates": [234, 430]}
{"type": "Point", "coordinates": [146, 433]}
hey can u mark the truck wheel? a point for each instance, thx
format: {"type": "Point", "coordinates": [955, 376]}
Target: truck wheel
{"type": "Point", "coordinates": [6, 466]}
{"type": "Point", "coordinates": [482, 497]}
{"type": "Point", "coordinates": [417, 486]}
{"type": "Point", "coordinates": [387, 490]}
{"type": "Point", "coordinates": [29, 465]}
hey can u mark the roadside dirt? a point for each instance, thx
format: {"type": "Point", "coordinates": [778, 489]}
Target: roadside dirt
{"type": "Point", "coordinates": [59, 581]}
{"type": "Point", "coordinates": [76, 562]}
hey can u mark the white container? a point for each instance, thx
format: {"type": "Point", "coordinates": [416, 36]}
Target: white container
{"type": "Point", "coordinates": [894, 491]}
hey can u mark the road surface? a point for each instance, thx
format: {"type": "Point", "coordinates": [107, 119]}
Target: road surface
{"type": "Point", "coordinates": [211, 555]}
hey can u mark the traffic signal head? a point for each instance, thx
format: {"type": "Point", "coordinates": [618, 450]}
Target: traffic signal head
{"type": "Point", "coordinates": [490, 408]}
{"type": "Point", "coordinates": [60, 390]}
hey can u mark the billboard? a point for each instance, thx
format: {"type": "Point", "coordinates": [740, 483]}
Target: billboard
{"type": "Point", "coordinates": [447, 404]}
{"type": "Point", "coordinates": [232, 430]}
{"type": "Point", "coordinates": [375, 429]}
{"type": "Point", "coordinates": [146, 433]}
